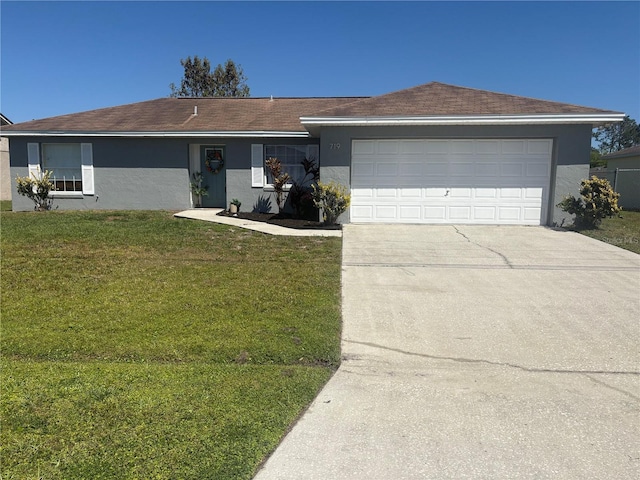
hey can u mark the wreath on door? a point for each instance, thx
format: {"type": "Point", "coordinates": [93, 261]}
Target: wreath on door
{"type": "Point", "coordinates": [214, 161]}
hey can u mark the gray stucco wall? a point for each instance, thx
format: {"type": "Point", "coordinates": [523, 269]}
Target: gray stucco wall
{"type": "Point", "coordinates": [151, 173]}
{"type": "Point", "coordinates": [129, 173]}
{"type": "Point", "coordinates": [239, 171]}
{"type": "Point", "coordinates": [572, 145]}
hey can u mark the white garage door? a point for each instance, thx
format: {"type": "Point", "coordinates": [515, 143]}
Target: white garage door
{"type": "Point", "coordinates": [450, 181]}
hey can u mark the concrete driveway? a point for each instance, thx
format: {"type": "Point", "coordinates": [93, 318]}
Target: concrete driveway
{"type": "Point", "coordinates": [477, 352]}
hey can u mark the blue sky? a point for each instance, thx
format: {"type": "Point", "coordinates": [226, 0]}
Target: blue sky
{"type": "Point", "coordinates": [65, 57]}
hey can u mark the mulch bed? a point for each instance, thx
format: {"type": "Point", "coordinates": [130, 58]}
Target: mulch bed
{"type": "Point", "coordinates": [281, 219]}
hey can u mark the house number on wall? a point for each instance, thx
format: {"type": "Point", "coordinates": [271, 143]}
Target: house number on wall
{"type": "Point", "coordinates": [334, 146]}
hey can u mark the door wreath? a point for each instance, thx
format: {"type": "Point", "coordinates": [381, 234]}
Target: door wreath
{"type": "Point", "coordinates": [214, 161]}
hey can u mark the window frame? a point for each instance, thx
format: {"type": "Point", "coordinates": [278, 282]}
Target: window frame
{"type": "Point", "coordinates": [308, 154]}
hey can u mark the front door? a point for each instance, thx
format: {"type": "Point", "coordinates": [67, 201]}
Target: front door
{"type": "Point", "coordinates": [212, 160]}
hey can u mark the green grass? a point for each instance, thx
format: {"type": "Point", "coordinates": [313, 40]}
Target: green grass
{"type": "Point", "coordinates": [136, 345]}
{"type": "Point", "coordinates": [622, 231]}
{"type": "Point", "coordinates": [5, 205]}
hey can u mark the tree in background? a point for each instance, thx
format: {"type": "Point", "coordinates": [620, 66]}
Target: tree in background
{"type": "Point", "coordinates": [617, 136]}
{"type": "Point", "coordinates": [199, 81]}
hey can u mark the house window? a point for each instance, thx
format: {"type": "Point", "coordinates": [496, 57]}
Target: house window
{"type": "Point", "coordinates": [291, 157]}
{"type": "Point", "coordinates": [65, 161]}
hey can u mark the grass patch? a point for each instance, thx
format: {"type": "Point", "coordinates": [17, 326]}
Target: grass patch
{"type": "Point", "coordinates": [622, 231]}
{"type": "Point", "coordinates": [137, 345]}
{"type": "Point", "coordinates": [5, 205]}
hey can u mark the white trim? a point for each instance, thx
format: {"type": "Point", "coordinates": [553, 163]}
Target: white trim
{"type": "Point", "coordinates": [217, 134]}
{"type": "Point", "coordinates": [86, 167]}
{"type": "Point", "coordinates": [257, 165]}
{"type": "Point", "coordinates": [467, 120]}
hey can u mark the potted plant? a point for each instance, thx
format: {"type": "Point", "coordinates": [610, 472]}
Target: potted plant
{"type": "Point", "coordinates": [198, 189]}
{"type": "Point", "coordinates": [234, 206]}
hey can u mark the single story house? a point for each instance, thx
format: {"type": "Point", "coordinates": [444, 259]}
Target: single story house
{"type": "Point", "coordinates": [434, 153]}
{"type": "Point", "coordinates": [623, 169]}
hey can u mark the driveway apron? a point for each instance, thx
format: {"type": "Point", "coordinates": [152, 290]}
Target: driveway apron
{"type": "Point", "coordinates": [477, 352]}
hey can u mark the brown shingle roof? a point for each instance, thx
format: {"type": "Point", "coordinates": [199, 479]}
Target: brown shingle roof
{"type": "Point", "coordinates": [283, 114]}
{"type": "Point", "coordinates": [176, 115]}
{"type": "Point", "coordinates": [439, 99]}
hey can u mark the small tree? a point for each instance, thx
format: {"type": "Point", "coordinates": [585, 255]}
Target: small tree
{"type": "Point", "coordinates": [37, 189]}
{"type": "Point", "coordinates": [598, 201]}
{"type": "Point", "coordinates": [332, 199]}
{"type": "Point", "coordinates": [280, 179]}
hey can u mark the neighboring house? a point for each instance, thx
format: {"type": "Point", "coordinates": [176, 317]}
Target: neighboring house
{"type": "Point", "coordinates": [5, 176]}
{"type": "Point", "coordinates": [434, 153]}
{"type": "Point", "coordinates": [623, 171]}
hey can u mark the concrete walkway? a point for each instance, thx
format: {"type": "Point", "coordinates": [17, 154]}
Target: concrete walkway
{"type": "Point", "coordinates": [211, 215]}
{"type": "Point", "coordinates": [477, 352]}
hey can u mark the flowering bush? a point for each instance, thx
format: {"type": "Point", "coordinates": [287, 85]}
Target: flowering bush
{"type": "Point", "coordinates": [332, 199]}
{"type": "Point", "coordinates": [37, 189]}
{"type": "Point", "coordinates": [598, 201]}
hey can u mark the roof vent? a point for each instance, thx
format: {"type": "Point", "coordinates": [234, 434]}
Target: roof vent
{"type": "Point", "coordinates": [195, 110]}
{"type": "Point", "coordinates": [271, 100]}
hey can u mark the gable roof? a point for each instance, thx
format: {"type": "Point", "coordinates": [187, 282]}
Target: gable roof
{"type": "Point", "coordinates": [626, 152]}
{"type": "Point", "coordinates": [431, 103]}
{"type": "Point", "coordinates": [4, 120]}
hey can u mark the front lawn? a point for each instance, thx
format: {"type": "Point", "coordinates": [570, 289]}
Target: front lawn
{"type": "Point", "coordinates": [622, 231]}
{"type": "Point", "coordinates": [136, 345]}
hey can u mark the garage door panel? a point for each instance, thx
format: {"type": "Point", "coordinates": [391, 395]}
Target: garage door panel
{"type": "Point", "coordinates": [460, 213]}
{"type": "Point", "coordinates": [484, 169]}
{"type": "Point", "coordinates": [511, 147]}
{"type": "Point", "coordinates": [386, 169]}
{"type": "Point", "coordinates": [437, 147]}
{"type": "Point", "coordinates": [412, 147]}
{"type": "Point", "coordinates": [537, 170]}
{"type": "Point", "coordinates": [386, 212]}
{"type": "Point", "coordinates": [388, 147]}
{"type": "Point", "coordinates": [434, 213]}
{"type": "Point", "coordinates": [485, 214]}
{"type": "Point", "coordinates": [410, 169]}
{"type": "Point", "coordinates": [410, 193]}
{"type": "Point", "coordinates": [362, 169]}
{"type": "Point", "coordinates": [451, 181]}
{"type": "Point", "coordinates": [410, 212]}
{"type": "Point", "coordinates": [436, 169]}
{"type": "Point", "coordinates": [540, 147]}
{"type": "Point", "coordinates": [460, 192]}
{"type": "Point", "coordinates": [363, 147]}
{"type": "Point", "coordinates": [462, 147]}
{"type": "Point", "coordinates": [491, 147]}
{"type": "Point", "coordinates": [511, 169]}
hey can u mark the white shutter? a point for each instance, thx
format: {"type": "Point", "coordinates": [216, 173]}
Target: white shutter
{"type": "Point", "coordinates": [313, 153]}
{"type": "Point", "coordinates": [33, 155]}
{"type": "Point", "coordinates": [257, 165]}
{"type": "Point", "coordinates": [86, 152]}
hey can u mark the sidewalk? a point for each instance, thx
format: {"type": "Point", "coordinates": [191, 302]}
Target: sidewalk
{"type": "Point", "coordinates": [211, 215]}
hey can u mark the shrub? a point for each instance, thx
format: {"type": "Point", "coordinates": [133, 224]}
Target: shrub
{"type": "Point", "coordinates": [300, 193]}
{"type": "Point", "coordinates": [598, 201]}
{"type": "Point", "coordinates": [37, 189]}
{"type": "Point", "coordinates": [332, 199]}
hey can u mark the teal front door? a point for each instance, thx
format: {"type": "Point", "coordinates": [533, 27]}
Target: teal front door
{"type": "Point", "coordinates": [214, 175]}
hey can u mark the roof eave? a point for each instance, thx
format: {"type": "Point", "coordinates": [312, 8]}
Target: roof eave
{"type": "Point", "coordinates": [168, 134]}
{"type": "Point", "coordinates": [544, 119]}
